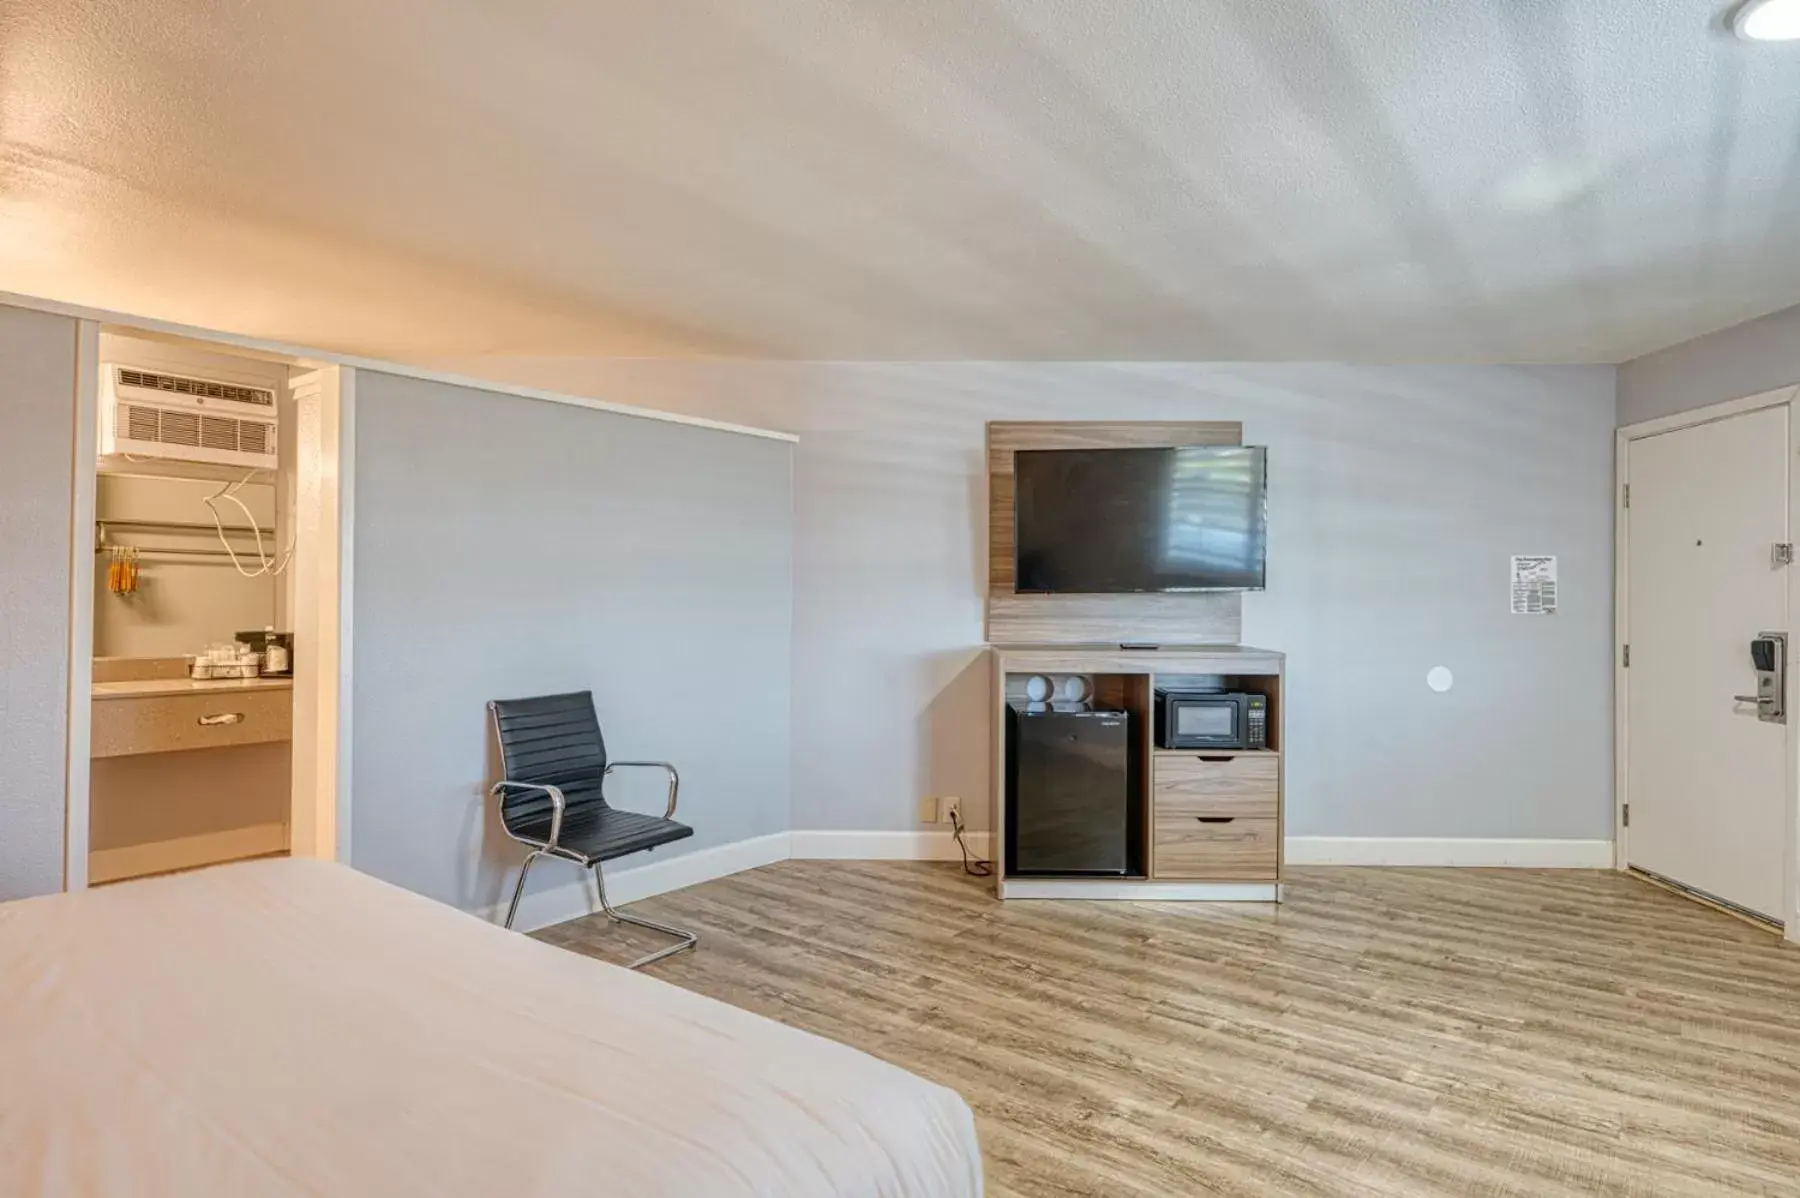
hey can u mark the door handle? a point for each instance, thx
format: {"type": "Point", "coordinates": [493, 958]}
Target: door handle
{"type": "Point", "coordinates": [1768, 658]}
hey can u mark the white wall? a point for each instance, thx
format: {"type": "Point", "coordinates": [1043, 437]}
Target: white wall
{"type": "Point", "coordinates": [1745, 359]}
{"type": "Point", "coordinates": [1397, 495]}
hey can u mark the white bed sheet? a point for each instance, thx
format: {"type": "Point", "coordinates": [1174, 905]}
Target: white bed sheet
{"type": "Point", "coordinates": [297, 1028]}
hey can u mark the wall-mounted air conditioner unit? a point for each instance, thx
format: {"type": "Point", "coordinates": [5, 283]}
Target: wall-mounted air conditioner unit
{"type": "Point", "coordinates": [153, 414]}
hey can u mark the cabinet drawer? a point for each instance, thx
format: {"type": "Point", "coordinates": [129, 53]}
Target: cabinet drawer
{"type": "Point", "coordinates": [1224, 849]}
{"type": "Point", "coordinates": [1201, 784]}
{"type": "Point", "coordinates": [166, 723]}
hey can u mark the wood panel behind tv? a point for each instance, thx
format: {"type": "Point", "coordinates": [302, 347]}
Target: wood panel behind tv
{"type": "Point", "coordinates": [1173, 619]}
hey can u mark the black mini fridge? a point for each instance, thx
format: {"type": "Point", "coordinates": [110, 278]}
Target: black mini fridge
{"type": "Point", "coordinates": [1069, 789]}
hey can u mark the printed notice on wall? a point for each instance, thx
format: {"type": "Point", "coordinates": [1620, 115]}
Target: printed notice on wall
{"type": "Point", "coordinates": [1533, 586]}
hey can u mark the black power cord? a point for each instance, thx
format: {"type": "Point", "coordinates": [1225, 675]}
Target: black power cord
{"type": "Point", "coordinates": [974, 867]}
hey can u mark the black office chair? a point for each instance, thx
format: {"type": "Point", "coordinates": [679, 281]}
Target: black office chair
{"type": "Point", "coordinates": [555, 765]}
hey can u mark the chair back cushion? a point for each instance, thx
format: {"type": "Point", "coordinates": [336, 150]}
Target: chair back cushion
{"type": "Point", "coordinates": [553, 740]}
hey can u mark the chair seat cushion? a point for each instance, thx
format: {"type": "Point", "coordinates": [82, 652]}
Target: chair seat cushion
{"type": "Point", "coordinates": [600, 833]}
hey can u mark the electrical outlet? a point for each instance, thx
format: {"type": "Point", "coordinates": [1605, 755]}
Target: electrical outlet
{"type": "Point", "coordinates": [949, 809]}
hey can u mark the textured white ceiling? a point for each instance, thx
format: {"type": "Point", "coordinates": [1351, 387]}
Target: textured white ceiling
{"type": "Point", "coordinates": [1487, 180]}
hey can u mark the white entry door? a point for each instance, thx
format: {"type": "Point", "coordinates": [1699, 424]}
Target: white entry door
{"type": "Point", "coordinates": [1706, 779]}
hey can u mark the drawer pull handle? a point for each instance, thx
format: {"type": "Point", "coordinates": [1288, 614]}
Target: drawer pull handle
{"type": "Point", "coordinates": [1215, 819]}
{"type": "Point", "coordinates": [224, 717]}
{"type": "Point", "coordinates": [1214, 760]}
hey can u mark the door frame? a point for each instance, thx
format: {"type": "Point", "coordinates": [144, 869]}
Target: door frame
{"type": "Point", "coordinates": [1623, 437]}
{"type": "Point", "coordinates": [319, 805]}
{"type": "Point", "coordinates": [320, 613]}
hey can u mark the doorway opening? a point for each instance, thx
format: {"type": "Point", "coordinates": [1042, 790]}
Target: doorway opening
{"type": "Point", "coordinates": [209, 646]}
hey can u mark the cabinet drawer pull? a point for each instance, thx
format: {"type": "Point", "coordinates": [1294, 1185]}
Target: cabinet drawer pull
{"type": "Point", "coordinates": [224, 717]}
{"type": "Point", "coordinates": [1215, 819]}
{"type": "Point", "coordinates": [1215, 759]}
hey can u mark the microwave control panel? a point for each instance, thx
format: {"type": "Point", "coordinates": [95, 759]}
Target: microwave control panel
{"type": "Point", "coordinates": [1257, 723]}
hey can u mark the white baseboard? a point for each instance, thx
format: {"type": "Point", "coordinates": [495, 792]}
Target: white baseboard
{"type": "Point", "coordinates": [690, 869]}
{"type": "Point", "coordinates": [884, 846]}
{"type": "Point", "coordinates": [576, 897]}
{"type": "Point", "coordinates": [1301, 850]}
{"type": "Point", "coordinates": [1409, 850]}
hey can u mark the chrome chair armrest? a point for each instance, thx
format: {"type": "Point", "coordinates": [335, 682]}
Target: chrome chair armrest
{"type": "Point", "coordinates": [557, 804]}
{"type": "Point", "coordinates": [674, 778]}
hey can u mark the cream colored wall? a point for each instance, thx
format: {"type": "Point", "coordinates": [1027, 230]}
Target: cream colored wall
{"type": "Point", "coordinates": [181, 603]}
{"type": "Point", "coordinates": [184, 603]}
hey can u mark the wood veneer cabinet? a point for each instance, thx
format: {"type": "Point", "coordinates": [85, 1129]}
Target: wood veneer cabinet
{"type": "Point", "coordinates": [1212, 820]}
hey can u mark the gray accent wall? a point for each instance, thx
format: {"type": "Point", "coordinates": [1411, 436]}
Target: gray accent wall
{"type": "Point", "coordinates": [1745, 359]}
{"type": "Point", "coordinates": [1397, 495]}
{"type": "Point", "coordinates": [37, 430]}
{"type": "Point", "coordinates": [507, 547]}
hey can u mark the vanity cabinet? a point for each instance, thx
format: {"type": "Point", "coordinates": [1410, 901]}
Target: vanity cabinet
{"type": "Point", "coordinates": [156, 719]}
{"type": "Point", "coordinates": [185, 773]}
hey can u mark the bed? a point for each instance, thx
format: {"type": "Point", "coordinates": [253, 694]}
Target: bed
{"type": "Point", "coordinates": [291, 1027]}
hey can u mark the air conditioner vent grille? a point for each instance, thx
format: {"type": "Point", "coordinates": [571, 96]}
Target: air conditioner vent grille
{"type": "Point", "coordinates": [200, 388]}
{"type": "Point", "coordinates": [218, 432]}
{"type": "Point", "coordinates": [178, 428]}
{"type": "Point", "coordinates": [140, 423]}
{"type": "Point", "coordinates": [172, 426]}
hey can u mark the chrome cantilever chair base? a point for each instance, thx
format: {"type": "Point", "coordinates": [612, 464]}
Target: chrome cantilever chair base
{"type": "Point", "coordinates": [686, 939]}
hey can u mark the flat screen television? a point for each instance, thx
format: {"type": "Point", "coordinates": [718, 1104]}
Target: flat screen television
{"type": "Point", "coordinates": [1122, 521]}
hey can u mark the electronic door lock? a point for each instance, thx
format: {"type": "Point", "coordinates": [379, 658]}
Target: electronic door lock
{"type": "Point", "coordinates": [1768, 657]}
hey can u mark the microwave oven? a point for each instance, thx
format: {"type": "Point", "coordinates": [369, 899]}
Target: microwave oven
{"type": "Point", "coordinates": [1211, 720]}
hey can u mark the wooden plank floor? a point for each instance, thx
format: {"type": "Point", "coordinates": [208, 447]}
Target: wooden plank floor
{"type": "Point", "coordinates": [1384, 1032]}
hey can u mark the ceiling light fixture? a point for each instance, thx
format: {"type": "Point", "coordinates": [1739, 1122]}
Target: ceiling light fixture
{"type": "Point", "coordinates": [1768, 21]}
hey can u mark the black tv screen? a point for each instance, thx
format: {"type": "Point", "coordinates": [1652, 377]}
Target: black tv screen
{"type": "Point", "coordinates": [1117, 521]}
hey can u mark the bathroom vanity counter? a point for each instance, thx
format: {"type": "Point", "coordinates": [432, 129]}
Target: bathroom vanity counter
{"type": "Point", "coordinates": [138, 687]}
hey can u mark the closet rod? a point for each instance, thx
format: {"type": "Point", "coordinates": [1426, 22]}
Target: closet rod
{"type": "Point", "coordinates": [104, 523]}
{"type": "Point", "coordinates": [155, 553]}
